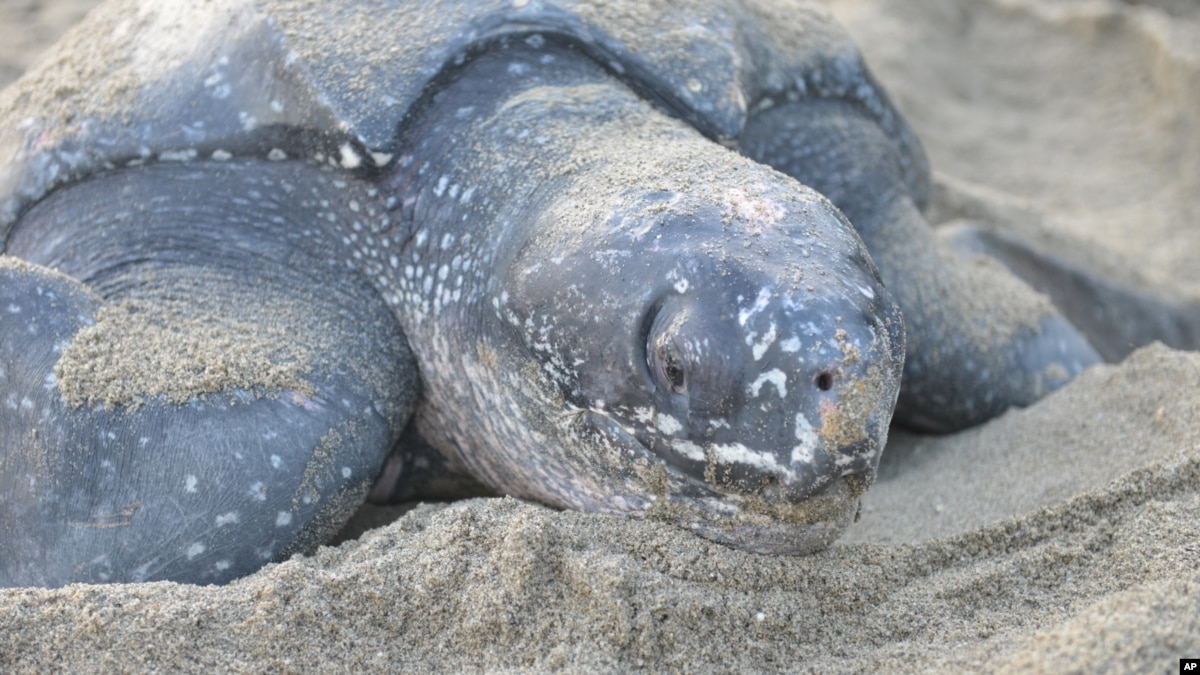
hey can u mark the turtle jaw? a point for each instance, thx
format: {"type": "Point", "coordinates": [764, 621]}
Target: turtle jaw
{"type": "Point", "coordinates": [772, 520]}
{"type": "Point", "coordinates": [766, 526]}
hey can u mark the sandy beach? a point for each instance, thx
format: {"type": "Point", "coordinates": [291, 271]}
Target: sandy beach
{"type": "Point", "coordinates": [1060, 538]}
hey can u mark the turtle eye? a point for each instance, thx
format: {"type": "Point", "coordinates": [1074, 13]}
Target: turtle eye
{"type": "Point", "coordinates": [665, 360]}
{"type": "Point", "coordinates": [669, 369]}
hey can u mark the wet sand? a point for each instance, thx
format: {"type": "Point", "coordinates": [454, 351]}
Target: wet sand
{"type": "Point", "coordinates": [1064, 537]}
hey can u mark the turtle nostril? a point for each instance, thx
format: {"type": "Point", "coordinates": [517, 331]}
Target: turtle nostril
{"type": "Point", "coordinates": [824, 381]}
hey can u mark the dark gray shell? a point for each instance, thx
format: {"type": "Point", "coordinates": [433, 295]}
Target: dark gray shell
{"type": "Point", "coordinates": [143, 80]}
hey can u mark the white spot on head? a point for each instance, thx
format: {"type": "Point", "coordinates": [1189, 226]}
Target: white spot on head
{"type": "Point", "coordinates": [283, 519]}
{"type": "Point", "coordinates": [776, 377]}
{"type": "Point", "coordinates": [227, 518]}
{"type": "Point", "coordinates": [177, 155]}
{"type": "Point", "coordinates": [346, 472]}
{"type": "Point", "coordinates": [349, 157]}
{"type": "Point", "coordinates": [790, 345]}
{"type": "Point", "coordinates": [761, 348]}
{"type": "Point", "coordinates": [736, 453]}
{"type": "Point", "coordinates": [669, 425]}
{"type": "Point", "coordinates": [195, 549]}
{"type": "Point", "coordinates": [760, 303]}
{"type": "Point", "coordinates": [189, 483]}
{"type": "Point", "coordinates": [806, 451]}
{"type": "Point", "coordinates": [222, 565]}
{"type": "Point", "coordinates": [681, 286]}
{"type": "Point", "coordinates": [689, 449]}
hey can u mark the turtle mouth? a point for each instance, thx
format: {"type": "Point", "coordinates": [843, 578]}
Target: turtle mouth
{"type": "Point", "coordinates": [762, 521]}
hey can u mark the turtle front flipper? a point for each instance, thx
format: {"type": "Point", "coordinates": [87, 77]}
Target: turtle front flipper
{"type": "Point", "coordinates": [193, 383]}
{"type": "Point", "coordinates": [979, 340]}
{"type": "Point", "coordinates": [1117, 318]}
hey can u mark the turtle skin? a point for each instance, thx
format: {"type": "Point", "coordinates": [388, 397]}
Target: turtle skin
{"type": "Point", "coordinates": [645, 259]}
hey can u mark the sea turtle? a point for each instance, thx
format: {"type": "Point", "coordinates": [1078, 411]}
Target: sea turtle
{"type": "Point", "coordinates": [247, 241]}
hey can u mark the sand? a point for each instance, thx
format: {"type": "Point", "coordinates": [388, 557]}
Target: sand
{"type": "Point", "coordinates": [1060, 538]}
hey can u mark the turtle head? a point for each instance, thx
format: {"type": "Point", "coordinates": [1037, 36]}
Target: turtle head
{"type": "Point", "coordinates": [726, 356]}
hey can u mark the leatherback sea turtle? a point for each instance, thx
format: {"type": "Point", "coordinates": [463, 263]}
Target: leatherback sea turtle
{"type": "Point", "coordinates": [247, 241]}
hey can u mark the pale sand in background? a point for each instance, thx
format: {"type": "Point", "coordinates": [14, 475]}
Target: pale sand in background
{"type": "Point", "coordinates": [1063, 537]}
